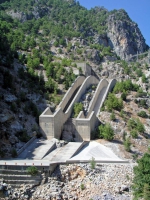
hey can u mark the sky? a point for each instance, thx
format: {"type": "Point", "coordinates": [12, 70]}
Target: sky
{"type": "Point", "coordinates": [138, 11]}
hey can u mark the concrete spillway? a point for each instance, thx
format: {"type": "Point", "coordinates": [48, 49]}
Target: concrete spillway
{"type": "Point", "coordinates": [99, 101]}
{"type": "Point", "coordinates": [70, 100]}
{"type": "Point", "coordinates": [52, 123]}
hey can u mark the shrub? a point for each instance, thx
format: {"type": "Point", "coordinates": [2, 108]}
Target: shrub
{"type": "Point", "coordinates": [82, 186]}
{"type": "Point", "coordinates": [124, 136]}
{"type": "Point", "coordinates": [125, 86]}
{"type": "Point", "coordinates": [93, 163]}
{"type": "Point", "coordinates": [106, 132]}
{"type": "Point", "coordinates": [123, 96]}
{"type": "Point", "coordinates": [77, 108]}
{"type": "Point", "coordinates": [32, 170]}
{"type": "Point", "coordinates": [127, 144]}
{"type": "Point", "coordinates": [135, 124]}
{"type": "Point", "coordinates": [113, 102]}
{"type": "Point", "coordinates": [23, 136]}
{"type": "Point", "coordinates": [140, 126]}
{"type": "Point", "coordinates": [134, 133]}
{"type": "Point", "coordinates": [112, 116]}
{"type": "Point", "coordinates": [142, 114]}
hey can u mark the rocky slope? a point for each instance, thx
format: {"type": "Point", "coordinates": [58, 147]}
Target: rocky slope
{"type": "Point", "coordinates": [114, 29]}
{"type": "Point", "coordinates": [20, 106]}
{"type": "Point", "coordinates": [80, 182]}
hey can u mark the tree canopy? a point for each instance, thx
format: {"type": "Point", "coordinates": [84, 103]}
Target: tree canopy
{"type": "Point", "coordinates": [141, 181]}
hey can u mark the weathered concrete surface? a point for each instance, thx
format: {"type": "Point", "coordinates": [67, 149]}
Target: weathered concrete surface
{"type": "Point", "coordinates": [96, 108]}
{"type": "Point", "coordinates": [85, 126]}
{"type": "Point", "coordinates": [64, 153]}
{"type": "Point", "coordinates": [111, 84]}
{"type": "Point", "coordinates": [97, 151]}
{"type": "Point", "coordinates": [98, 96]}
{"type": "Point", "coordinates": [52, 124]}
{"type": "Point", "coordinates": [78, 82]}
{"type": "Point", "coordinates": [38, 149]}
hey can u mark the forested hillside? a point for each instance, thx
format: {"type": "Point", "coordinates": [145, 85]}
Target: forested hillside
{"type": "Point", "coordinates": [41, 44]}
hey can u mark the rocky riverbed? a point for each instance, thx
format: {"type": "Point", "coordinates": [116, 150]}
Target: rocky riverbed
{"type": "Point", "coordinates": [80, 181]}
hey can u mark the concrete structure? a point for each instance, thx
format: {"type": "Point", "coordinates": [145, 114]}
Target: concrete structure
{"type": "Point", "coordinates": [86, 69]}
{"type": "Point", "coordinates": [38, 149]}
{"type": "Point", "coordinates": [52, 123]}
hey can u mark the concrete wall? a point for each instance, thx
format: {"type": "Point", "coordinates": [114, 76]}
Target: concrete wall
{"type": "Point", "coordinates": [84, 126]}
{"type": "Point", "coordinates": [78, 82]}
{"type": "Point", "coordinates": [109, 89]}
{"type": "Point", "coordinates": [52, 124]}
{"type": "Point", "coordinates": [87, 82]}
{"type": "Point", "coordinates": [25, 146]}
{"type": "Point", "coordinates": [103, 83]}
{"type": "Point", "coordinates": [86, 69]}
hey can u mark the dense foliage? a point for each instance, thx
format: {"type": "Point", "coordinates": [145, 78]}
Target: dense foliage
{"type": "Point", "coordinates": [135, 124]}
{"type": "Point", "coordinates": [106, 132]}
{"type": "Point", "coordinates": [113, 102]}
{"type": "Point", "coordinates": [141, 181]}
{"type": "Point", "coordinates": [125, 86]}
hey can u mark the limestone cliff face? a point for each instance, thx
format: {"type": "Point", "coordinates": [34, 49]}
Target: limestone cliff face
{"type": "Point", "coordinates": [22, 16]}
{"type": "Point", "coordinates": [124, 35]}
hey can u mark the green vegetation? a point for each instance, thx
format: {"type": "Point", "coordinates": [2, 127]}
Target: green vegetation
{"type": "Point", "coordinates": [140, 93]}
{"type": "Point", "coordinates": [113, 102]}
{"type": "Point", "coordinates": [135, 124]}
{"type": "Point", "coordinates": [93, 163]}
{"type": "Point", "coordinates": [82, 186]}
{"type": "Point", "coordinates": [77, 108]}
{"type": "Point", "coordinates": [142, 114]}
{"type": "Point", "coordinates": [32, 170]}
{"type": "Point", "coordinates": [141, 181]}
{"type": "Point", "coordinates": [125, 86]}
{"type": "Point", "coordinates": [134, 133]}
{"type": "Point", "coordinates": [106, 132]}
{"type": "Point", "coordinates": [127, 144]}
{"type": "Point", "coordinates": [112, 116]}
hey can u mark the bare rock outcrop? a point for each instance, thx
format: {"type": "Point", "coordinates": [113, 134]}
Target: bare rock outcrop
{"type": "Point", "coordinates": [124, 35]}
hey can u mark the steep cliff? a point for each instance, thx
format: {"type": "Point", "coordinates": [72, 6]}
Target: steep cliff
{"type": "Point", "coordinates": [124, 35]}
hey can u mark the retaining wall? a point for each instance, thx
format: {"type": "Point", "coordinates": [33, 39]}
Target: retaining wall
{"type": "Point", "coordinates": [25, 146]}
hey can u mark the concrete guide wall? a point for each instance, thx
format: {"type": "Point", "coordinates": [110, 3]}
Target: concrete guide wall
{"type": "Point", "coordinates": [87, 82]}
{"type": "Point", "coordinates": [78, 82]}
{"type": "Point", "coordinates": [103, 83]}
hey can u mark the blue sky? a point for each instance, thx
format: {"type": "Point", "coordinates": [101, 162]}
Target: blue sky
{"type": "Point", "coordinates": [138, 11]}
